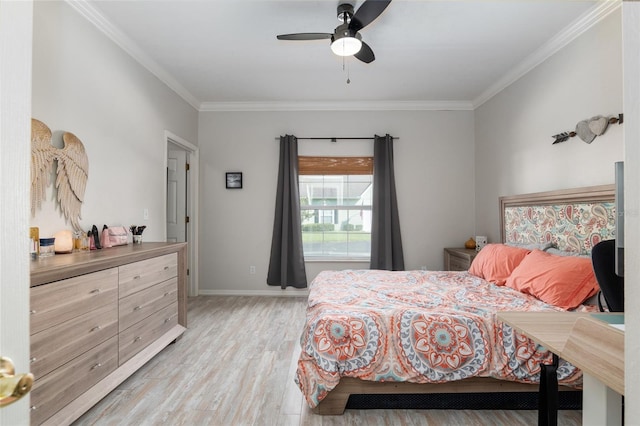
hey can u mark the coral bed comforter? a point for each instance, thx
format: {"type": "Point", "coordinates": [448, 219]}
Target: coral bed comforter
{"type": "Point", "coordinates": [416, 326]}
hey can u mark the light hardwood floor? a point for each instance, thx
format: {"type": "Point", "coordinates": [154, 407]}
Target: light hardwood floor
{"type": "Point", "coordinates": [235, 366]}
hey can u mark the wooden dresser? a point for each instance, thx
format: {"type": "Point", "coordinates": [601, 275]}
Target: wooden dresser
{"type": "Point", "coordinates": [458, 259]}
{"type": "Point", "coordinates": [96, 318]}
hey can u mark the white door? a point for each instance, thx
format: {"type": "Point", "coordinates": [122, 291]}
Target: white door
{"type": "Point", "coordinates": [16, 27]}
{"type": "Point", "coordinates": [177, 196]}
{"type": "Point", "coordinates": [182, 201]}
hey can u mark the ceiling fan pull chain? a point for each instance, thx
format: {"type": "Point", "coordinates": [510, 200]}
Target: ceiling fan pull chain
{"type": "Point", "coordinates": [348, 69]}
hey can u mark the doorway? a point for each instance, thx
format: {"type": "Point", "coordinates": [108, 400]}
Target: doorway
{"type": "Point", "coordinates": [181, 201]}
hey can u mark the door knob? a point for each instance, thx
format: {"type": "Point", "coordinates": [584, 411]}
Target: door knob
{"type": "Point", "coordinates": [12, 386]}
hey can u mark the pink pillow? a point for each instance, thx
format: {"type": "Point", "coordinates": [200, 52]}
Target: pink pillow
{"type": "Point", "coordinates": [561, 281]}
{"type": "Point", "coordinates": [495, 262]}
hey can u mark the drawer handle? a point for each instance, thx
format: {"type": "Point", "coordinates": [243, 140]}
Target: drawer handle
{"type": "Point", "coordinates": [33, 408]}
{"type": "Point", "coordinates": [137, 308]}
{"type": "Point", "coordinates": [169, 319]}
{"type": "Point", "coordinates": [166, 294]}
{"type": "Point", "coordinates": [137, 277]}
{"type": "Point", "coordinates": [96, 328]}
{"type": "Point", "coordinates": [32, 311]}
{"type": "Point", "coordinates": [33, 359]}
{"type": "Point", "coordinates": [137, 339]}
{"type": "Point", "coordinates": [166, 267]}
{"type": "Point", "coordinates": [98, 365]}
{"type": "Point", "coordinates": [95, 291]}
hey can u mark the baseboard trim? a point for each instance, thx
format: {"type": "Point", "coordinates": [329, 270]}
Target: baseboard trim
{"type": "Point", "coordinates": [276, 292]}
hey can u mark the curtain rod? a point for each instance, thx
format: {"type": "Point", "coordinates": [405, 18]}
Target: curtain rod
{"type": "Point", "coordinates": [334, 139]}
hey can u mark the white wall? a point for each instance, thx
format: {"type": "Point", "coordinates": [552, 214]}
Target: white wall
{"type": "Point", "coordinates": [514, 154]}
{"type": "Point", "coordinates": [83, 83]}
{"type": "Point", "coordinates": [434, 179]}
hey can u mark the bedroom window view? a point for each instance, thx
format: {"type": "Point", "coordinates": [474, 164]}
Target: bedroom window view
{"type": "Point", "coordinates": [335, 214]}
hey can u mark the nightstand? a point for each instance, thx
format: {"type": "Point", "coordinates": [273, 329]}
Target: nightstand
{"type": "Point", "coordinates": [458, 259]}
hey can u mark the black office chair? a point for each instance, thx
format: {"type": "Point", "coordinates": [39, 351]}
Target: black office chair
{"type": "Point", "coordinates": [611, 285]}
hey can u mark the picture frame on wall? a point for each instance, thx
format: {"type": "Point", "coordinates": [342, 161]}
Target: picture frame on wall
{"type": "Point", "coordinates": [234, 180]}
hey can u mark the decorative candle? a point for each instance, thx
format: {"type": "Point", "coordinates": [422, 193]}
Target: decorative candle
{"type": "Point", "coordinates": [64, 241]}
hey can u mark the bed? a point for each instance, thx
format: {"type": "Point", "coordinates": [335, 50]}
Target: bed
{"type": "Point", "coordinates": [382, 332]}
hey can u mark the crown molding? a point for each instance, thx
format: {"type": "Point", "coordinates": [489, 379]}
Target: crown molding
{"type": "Point", "coordinates": [339, 106]}
{"type": "Point", "coordinates": [559, 41]}
{"type": "Point", "coordinates": [90, 13]}
{"type": "Point", "coordinates": [577, 28]}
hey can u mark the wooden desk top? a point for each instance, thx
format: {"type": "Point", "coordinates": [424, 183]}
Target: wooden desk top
{"type": "Point", "coordinates": [550, 329]}
{"type": "Point", "coordinates": [580, 338]}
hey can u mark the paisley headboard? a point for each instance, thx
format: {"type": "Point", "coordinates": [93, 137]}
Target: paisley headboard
{"type": "Point", "coordinates": [571, 219]}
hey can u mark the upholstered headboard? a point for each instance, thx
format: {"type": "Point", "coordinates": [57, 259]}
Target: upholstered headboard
{"type": "Point", "coordinates": [572, 219]}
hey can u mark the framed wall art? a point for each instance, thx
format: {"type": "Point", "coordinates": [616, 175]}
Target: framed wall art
{"type": "Point", "coordinates": [234, 180]}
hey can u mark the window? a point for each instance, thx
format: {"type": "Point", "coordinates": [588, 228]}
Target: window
{"type": "Point", "coordinates": [335, 207]}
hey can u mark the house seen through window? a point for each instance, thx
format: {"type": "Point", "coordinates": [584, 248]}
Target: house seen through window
{"type": "Point", "coordinates": [335, 207]}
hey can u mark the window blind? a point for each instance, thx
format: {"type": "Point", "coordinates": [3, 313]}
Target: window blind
{"type": "Point", "coordinates": [335, 165]}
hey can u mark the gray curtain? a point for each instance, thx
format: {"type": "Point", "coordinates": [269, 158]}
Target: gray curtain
{"type": "Point", "coordinates": [286, 266]}
{"type": "Point", "coordinates": [386, 242]}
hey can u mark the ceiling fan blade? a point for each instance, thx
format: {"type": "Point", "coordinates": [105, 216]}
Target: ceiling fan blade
{"type": "Point", "coordinates": [367, 13]}
{"type": "Point", "coordinates": [365, 54]}
{"type": "Point", "coordinates": [304, 36]}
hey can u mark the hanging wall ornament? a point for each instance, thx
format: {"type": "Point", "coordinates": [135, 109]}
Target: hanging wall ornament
{"type": "Point", "coordinates": [71, 174]}
{"type": "Point", "coordinates": [584, 132]}
{"type": "Point", "coordinates": [587, 130]}
{"type": "Point", "coordinates": [598, 125]}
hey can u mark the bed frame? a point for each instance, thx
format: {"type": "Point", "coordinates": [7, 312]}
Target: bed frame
{"type": "Point", "coordinates": [534, 207]}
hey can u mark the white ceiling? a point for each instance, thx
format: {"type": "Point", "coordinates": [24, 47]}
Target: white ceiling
{"type": "Point", "coordinates": [218, 54]}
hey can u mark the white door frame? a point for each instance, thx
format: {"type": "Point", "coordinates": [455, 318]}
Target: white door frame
{"type": "Point", "coordinates": [631, 132]}
{"type": "Point", "coordinates": [192, 201]}
{"type": "Point", "coordinates": [16, 46]}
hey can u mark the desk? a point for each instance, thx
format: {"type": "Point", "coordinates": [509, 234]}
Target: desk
{"type": "Point", "coordinates": [592, 345]}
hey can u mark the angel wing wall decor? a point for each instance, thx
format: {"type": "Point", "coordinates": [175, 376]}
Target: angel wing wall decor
{"type": "Point", "coordinates": [72, 171]}
{"type": "Point", "coordinates": [42, 156]}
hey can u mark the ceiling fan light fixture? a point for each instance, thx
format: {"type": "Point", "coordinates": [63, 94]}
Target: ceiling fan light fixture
{"type": "Point", "coordinates": [347, 45]}
{"type": "Point", "coordinates": [346, 39]}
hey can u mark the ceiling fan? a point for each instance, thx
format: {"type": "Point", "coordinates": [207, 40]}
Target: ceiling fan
{"type": "Point", "coordinates": [346, 39]}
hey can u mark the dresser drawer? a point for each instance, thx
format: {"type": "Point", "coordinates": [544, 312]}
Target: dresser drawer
{"type": "Point", "coordinates": [140, 335]}
{"type": "Point", "coordinates": [60, 301]}
{"type": "Point", "coordinates": [58, 388]}
{"type": "Point", "coordinates": [138, 306]}
{"type": "Point", "coordinates": [140, 275]}
{"type": "Point", "coordinates": [59, 344]}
